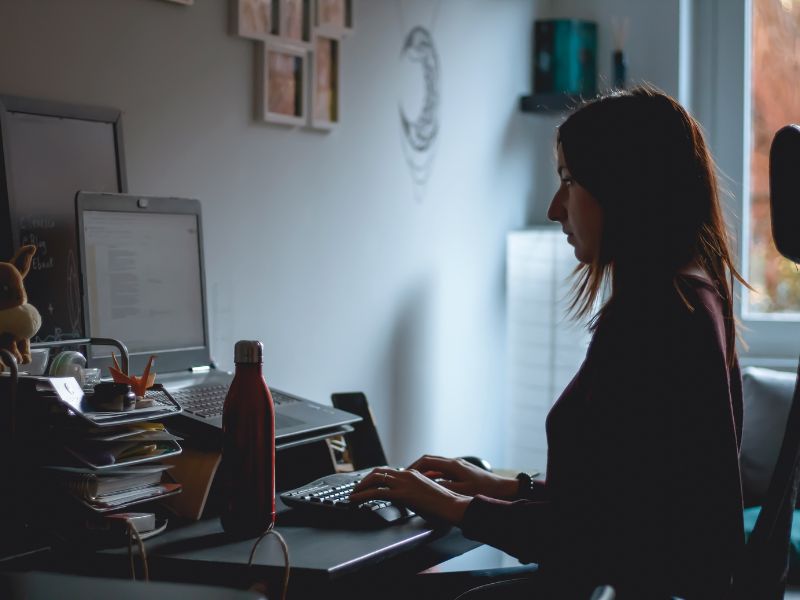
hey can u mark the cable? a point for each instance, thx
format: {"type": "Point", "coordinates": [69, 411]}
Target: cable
{"type": "Point", "coordinates": [284, 547]}
{"type": "Point", "coordinates": [133, 533]}
{"type": "Point", "coordinates": [130, 552]}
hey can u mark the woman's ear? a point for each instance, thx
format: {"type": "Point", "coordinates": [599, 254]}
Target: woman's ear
{"type": "Point", "coordinates": [22, 259]}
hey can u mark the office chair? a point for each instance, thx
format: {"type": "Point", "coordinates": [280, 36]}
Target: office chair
{"type": "Point", "coordinates": [765, 565]}
{"type": "Point", "coordinates": [363, 442]}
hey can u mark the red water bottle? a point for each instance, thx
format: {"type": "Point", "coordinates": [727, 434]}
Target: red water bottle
{"type": "Point", "coordinates": [248, 446]}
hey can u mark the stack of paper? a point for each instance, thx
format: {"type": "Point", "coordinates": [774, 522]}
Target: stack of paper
{"type": "Point", "coordinates": [107, 468]}
{"type": "Point", "coordinates": [130, 444]}
{"type": "Point", "coordinates": [115, 488]}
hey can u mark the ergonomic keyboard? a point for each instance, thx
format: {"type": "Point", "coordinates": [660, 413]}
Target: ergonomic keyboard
{"type": "Point", "coordinates": [207, 401]}
{"type": "Point", "coordinates": [329, 497]}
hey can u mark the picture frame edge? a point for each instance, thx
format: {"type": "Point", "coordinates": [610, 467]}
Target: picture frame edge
{"type": "Point", "coordinates": [315, 123]}
{"type": "Point", "coordinates": [266, 115]}
{"type": "Point", "coordinates": [306, 35]}
{"type": "Point", "coordinates": [236, 24]}
{"type": "Point", "coordinates": [340, 31]}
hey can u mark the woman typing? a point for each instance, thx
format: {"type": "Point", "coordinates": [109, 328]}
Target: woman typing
{"type": "Point", "coordinates": [642, 489]}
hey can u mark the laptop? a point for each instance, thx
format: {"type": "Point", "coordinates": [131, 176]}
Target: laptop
{"type": "Point", "coordinates": [143, 283]}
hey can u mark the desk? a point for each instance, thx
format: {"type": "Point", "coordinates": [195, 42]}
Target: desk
{"type": "Point", "coordinates": [336, 561]}
{"type": "Point", "coordinates": [45, 586]}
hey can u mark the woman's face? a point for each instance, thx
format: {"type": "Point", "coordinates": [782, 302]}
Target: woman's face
{"type": "Point", "coordinates": [578, 212]}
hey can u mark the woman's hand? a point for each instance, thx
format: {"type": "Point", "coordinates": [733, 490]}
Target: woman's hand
{"type": "Point", "coordinates": [462, 477]}
{"type": "Point", "coordinates": [416, 491]}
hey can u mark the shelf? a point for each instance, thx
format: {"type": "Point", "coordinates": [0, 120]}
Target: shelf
{"type": "Point", "coordinates": [553, 102]}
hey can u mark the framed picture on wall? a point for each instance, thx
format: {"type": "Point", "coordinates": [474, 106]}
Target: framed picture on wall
{"type": "Point", "coordinates": [282, 94]}
{"type": "Point", "coordinates": [255, 19]}
{"type": "Point", "coordinates": [325, 83]}
{"type": "Point", "coordinates": [295, 20]}
{"type": "Point", "coordinates": [333, 18]}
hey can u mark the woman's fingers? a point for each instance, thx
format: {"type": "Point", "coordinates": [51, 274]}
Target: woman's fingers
{"type": "Point", "coordinates": [375, 493]}
{"type": "Point", "coordinates": [423, 462]}
{"type": "Point", "coordinates": [376, 478]}
{"type": "Point", "coordinates": [411, 488]}
{"type": "Point", "coordinates": [433, 474]}
{"type": "Point", "coordinates": [386, 484]}
{"type": "Point", "coordinates": [445, 466]}
{"type": "Point", "coordinates": [454, 486]}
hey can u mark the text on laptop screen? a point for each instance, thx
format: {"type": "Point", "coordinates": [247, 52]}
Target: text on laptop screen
{"type": "Point", "coordinates": [143, 281]}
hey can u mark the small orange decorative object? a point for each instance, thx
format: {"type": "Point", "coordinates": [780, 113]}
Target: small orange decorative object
{"type": "Point", "coordinates": [139, 384]}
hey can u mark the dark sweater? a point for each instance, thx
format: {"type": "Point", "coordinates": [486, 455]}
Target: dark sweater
{"type": "Point", "coordinates": [642, 489]}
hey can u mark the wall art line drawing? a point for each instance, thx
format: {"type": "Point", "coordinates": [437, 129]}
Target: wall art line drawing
{"type": "Point", "coordinates": [421, 131]}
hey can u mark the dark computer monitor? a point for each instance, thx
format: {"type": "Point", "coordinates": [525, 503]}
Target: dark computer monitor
{"type": "Point", "coordinates": [49, 151]}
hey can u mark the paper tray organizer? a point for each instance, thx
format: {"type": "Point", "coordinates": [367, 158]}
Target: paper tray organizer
{"type": "Point", "coordinates": [164, 406]}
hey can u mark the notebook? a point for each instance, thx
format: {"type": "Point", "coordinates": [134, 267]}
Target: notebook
{"type": "Point", "coordinates": [143, 282]}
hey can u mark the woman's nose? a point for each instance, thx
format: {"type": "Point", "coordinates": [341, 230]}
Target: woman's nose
{"type": "Point", "coordinates": [555, 212]}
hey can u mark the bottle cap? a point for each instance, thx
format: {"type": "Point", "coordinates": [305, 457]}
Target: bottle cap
{"type": "Point", "coordinates": [248, 351]}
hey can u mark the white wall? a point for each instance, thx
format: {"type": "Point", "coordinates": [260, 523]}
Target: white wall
{"type": "Point", "coordinates": [315, 243]}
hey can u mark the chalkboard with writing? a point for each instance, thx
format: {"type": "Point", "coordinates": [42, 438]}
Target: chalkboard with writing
{"type": "Point", "coordinates": [48, 152]}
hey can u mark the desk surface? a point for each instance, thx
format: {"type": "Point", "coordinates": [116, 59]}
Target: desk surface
{"type": "Point", "coordinates": [45, 586]}
{"type": "Point", "coordinates": [323, 553]}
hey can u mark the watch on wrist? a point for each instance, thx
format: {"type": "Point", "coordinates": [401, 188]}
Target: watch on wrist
{"type": "Point", "coordinates": [526, 489]}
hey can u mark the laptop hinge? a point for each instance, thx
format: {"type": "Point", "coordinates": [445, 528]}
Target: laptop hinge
{"type": "Point", "coordinates": [202, 369]}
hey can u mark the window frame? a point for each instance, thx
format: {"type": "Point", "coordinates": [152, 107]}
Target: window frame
{"type": "Point", "coordinates": [720, 98]}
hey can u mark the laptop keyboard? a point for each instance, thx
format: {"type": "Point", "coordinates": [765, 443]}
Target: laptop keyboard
{"type": "Point", "coordinates": [206, 401]}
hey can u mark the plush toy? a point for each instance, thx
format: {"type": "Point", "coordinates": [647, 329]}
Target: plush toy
{"type": "Point", "coordinates": [19, 321]}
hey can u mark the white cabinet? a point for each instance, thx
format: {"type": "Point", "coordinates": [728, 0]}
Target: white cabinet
{"type": "Point", "coordinates": [545, 347]}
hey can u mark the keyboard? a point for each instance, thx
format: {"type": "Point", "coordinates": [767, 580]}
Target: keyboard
{"type": "Point", "coordinates": [206, 401]}
{"type": "Point", "coordinates": [329, 497]}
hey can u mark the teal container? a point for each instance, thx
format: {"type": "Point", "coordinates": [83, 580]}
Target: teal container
{"type": "Point", "coordinates": [565, 57]}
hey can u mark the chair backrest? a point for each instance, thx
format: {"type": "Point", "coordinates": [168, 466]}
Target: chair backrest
{"type": "Point", "coordinates": [765, 563]}
{"type": "Point", "coordinates": [364, 442]}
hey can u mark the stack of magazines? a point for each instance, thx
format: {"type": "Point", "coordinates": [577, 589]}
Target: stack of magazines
{"type": "Point", "coordinates": [108, 460]}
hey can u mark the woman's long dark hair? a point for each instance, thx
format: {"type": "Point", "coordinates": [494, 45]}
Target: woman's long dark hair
{"type": "Point", "coordinates": [644, 159]}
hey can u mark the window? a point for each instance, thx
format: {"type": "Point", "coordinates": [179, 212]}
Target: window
{"type": "Point", "coordinates": [774, 102]}
{"type": "Point", "coordinates": [728, 87]}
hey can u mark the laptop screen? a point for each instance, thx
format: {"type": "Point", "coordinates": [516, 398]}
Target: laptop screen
{"type": "Point", "coordinates": [142, 280]}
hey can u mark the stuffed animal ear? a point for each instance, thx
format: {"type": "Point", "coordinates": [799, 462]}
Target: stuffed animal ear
{"type": "Point", "coordinates": [22, 259]}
